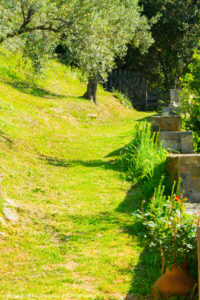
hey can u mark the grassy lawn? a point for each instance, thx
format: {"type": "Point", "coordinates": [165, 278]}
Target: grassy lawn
{"type": "Point", "coordinates": [72, 239]}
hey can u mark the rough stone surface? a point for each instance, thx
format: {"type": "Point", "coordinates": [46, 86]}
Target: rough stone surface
{"type": "Point", "coordinates": [9, 202]}
{"type": "Point", "coordinates": [9, 215]}
{"type": "Point", "coordinates": [166, 123]}
{"type": "Point", "coordinates": [2, 221]}
{"type": "Point", "coordinates": [193, 208]}
{"type": "Point", "coordinates": [177, 141]}
{"type": "Point", "coordinates": [175, 97]}
{"type": "Point", "coordinates": [186, 167]}
{"type": "Point", "coordinates": [170, 111]}
{"type": "Point", "coordinates": [93, 116]}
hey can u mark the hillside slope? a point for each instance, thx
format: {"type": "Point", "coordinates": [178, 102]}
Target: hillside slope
{"type": "Point", "coordinates": [69, 242]}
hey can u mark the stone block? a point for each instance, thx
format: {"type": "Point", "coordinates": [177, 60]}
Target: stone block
{"type": "Point", "coordinates": [174, 96]}
{"type": "Point", "coordinates": [177, 141]}
{"type": "Point", "coordinates": [192, 208]}
{"type": "Point", "coordinates": [166, 123]}
{"type": "Point", "coordinates": [186, 167]}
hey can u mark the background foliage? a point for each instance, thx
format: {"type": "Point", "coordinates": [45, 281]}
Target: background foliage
{"type": "Point", "coordinates": [191, 99]}
{"type": "Point", "coordinates": [175, 30]}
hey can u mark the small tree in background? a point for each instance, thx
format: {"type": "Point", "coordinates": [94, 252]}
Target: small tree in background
{"type": "Point", "coordinates": [110, 27]}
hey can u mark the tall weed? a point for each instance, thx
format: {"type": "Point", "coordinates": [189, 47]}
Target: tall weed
{"type": "Point", "coordinates": [143, 158]}
{"type": "Point", "coordinates": [122, 98]}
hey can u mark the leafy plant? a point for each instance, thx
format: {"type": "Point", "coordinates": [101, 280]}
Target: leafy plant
{"type": "Point", "coordinates": [122, 98]}
{"type": "Point", "coordinates": [143, 158]}
{"type": "Point", "coordinates": [190, 99]}
{"type": "Point", "coordinates": [169, 228]}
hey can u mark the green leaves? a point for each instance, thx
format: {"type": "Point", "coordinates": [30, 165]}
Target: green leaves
{"type": "Point", "coordinates": [105, 33]}
{"type": "Point", "coordinates": [171, 230]}
{"type": "Point", "coordinates": [95, 31]}
{"type": "Point", "coordinates": [175, 30]}
{"type": "Point", "coordinates": [190, 99]}
{"type": "Point", "coordinates": [143, 157]}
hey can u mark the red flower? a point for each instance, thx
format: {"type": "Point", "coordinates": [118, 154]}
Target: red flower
{"type": "Point", "coordinates": [176, 198]}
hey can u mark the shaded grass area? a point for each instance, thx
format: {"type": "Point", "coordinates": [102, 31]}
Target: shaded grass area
{"type": "Point", "coordinates": [144, 162]}
{"type": "Point", "coordinates": [148, 267]}
{"type": "Point", "coordinates": [74, 238]}
{"type": "Point", "coordinates": [113, 164]}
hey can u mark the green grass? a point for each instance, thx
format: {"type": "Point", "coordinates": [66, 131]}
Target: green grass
{"type": "Point", "coordinates": [73, 239]}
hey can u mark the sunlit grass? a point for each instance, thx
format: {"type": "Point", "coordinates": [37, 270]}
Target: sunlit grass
{"type": "Point", "coordinates": [70, 241]}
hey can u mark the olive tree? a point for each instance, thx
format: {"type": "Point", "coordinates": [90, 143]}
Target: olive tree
{"type": "Point", "coordinates": [96, 31]}
{"type": "Point", "coordinates": [110, 25]}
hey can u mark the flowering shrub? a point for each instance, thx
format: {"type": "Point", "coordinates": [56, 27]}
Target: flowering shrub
{"type": "Point", "coordinates": [169, 228]}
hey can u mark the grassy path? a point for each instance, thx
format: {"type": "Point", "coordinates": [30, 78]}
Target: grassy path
{"type": "Point", "coordinates": [71, 240]}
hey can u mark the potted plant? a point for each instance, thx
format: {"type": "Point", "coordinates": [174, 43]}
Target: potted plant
{"type": "Point", "coordinates": [171, 230]}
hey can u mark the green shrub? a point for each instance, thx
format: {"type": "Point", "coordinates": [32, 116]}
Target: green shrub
{"type": "Point", "coordinates": [190, 100]}
{"type": "Point", "coordinates": [14, 67]}
{"type": "Point", "coordinates": [169, 228]}
{"type": "Point", "coordinates": [123, 99]}
{"type": "Point", "coordinates": [143, 158]}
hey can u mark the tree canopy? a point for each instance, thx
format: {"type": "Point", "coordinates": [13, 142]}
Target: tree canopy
{"type": "Point", "coordinates": [96, 31]}
{"type": "Point", "coordinates": [110, 26]}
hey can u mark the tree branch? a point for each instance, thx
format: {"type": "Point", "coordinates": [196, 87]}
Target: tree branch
{"type": "Point", "coordinates": [24, 29]}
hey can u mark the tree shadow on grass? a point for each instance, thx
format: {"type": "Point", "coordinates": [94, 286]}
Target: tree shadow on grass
{"type": "Point", "coordinates": [147, 270]}
{"type": "Point", "coordinates": [68, 163]}
{"type": "Point", "coordinates": [37, 91]}
{"type": "Point", "coordinates": [5, 138]}
{"type": "Point", "coordinates": [33, 90]}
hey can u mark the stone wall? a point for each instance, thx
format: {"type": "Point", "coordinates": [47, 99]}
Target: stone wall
{"type": "Point", "coordinates": [186, 167]}
{"type": "Point", "coordinates": [177, 141]}
{"type": "Point", "coordinates": [166, 123]}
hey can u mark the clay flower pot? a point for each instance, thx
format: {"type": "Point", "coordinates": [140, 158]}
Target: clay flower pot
{"type": "Point", "coordinates": [175, 282]}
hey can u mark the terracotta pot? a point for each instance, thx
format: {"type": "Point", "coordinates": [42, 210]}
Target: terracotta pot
{"type": "Point", "coordinates": [175, 282]}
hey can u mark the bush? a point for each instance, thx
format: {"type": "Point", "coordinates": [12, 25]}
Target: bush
{"type": "Point", "coordinates": [190, 100]}
{"type": "Point", "coordinates": [123, 99]}
{"type": "Point", "coordinates": [143, 158]}
{"type": "Point", "coordinates": [168, 227]}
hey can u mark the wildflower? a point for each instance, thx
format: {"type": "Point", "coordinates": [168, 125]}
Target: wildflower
{"type": "Point", "coordinates": [176, 198]}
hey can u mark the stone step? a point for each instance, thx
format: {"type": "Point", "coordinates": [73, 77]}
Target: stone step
{"type": "Point", "coordinates": [170, 111]}
{"type": "Point", "coordinates": [193, 208]}
{"type": "Point", "coordinates": [177, 141]}
{"type": "Point", "coordinates": [186, 167]}
{"type": "Point", "coordinates": [166, 123]}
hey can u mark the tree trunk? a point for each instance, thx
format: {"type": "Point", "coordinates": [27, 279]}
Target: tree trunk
{"type": "Point", "coordinates": [91, 93]}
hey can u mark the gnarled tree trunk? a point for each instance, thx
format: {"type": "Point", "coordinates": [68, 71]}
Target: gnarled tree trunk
{"type": "Point", "coordinates": [91, 93]}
